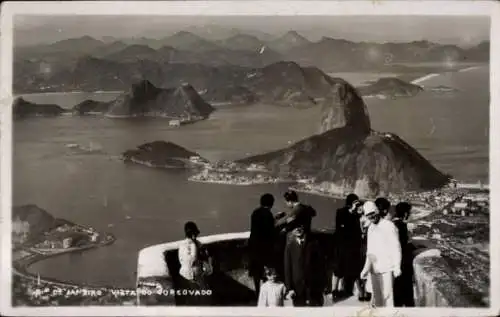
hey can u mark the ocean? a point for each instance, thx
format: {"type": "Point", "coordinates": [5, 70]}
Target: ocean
{"type": "Point", "coordinates": [69, 166]}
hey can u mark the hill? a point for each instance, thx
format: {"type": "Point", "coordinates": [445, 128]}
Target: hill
{"type": "Point", "coordinates": [23, 108]}
{"type": "Point", "coordinates": [188, 41]}
{"type": "Point", "coordinates": [145, 99]}
{"type": "Point", "coordinates": [161, 154]}
{"type": "Point", "coordinates": [288, 83]}
{"type": "Point", "coordinates": [242, 42]}
{"type": "Point", "coordinates": [229, 94]}
{"type": "Point", "coordinates": [91, 106]}
{"type": "Point", "coordinates": [390, 87]}
{"type": "Point", "coordinates": [131, 53]}
{"type": "Point", "coordinates": [288, 41]}
{"type": "Point", "coordinates": [29, 222]}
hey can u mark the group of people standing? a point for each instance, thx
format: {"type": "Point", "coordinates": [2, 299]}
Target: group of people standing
{"type": "Point", "coordinates": [283, 256]}
{"type": "Point", "coordinates": [371, 250]}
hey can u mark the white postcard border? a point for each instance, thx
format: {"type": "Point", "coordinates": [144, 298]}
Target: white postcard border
{"type": "Point", "coordinates": [243, 8]}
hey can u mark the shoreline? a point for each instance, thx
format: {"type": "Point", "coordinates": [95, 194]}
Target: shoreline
{"type": "Point", "coordinates": [66, 92]}
{"type": "Point", "coordinates": [190, 179]}
{"type": "Point", "coordinates": [20, 266]}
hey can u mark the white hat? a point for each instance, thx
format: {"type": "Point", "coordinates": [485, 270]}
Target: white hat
{"type": "Point", "coordinates": [369, 207]}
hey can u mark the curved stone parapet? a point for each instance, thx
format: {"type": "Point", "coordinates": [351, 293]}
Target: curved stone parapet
{"type": "Point", "coordinates": [435, 285]}
{"type": "Point", "coordinates": [435, 280]}
{"type": "Point", "coordinates": [157, 266]}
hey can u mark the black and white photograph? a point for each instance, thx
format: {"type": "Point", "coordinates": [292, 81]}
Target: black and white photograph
{"type": "Point", "coordinates": [248, 161]}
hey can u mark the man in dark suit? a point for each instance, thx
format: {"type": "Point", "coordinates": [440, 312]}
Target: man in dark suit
{"type": "Point", "coordinates": [286, 222]}
{"type": "Point", "coordinates": [262, 239]}
{"type": "Point", "coordinates": [304, 272]}
{"type": "Point", "coordinates": [299, 213]}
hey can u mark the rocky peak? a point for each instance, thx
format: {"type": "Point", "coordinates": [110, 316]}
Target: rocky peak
{"type": "Point", "coordinates": [144, 90]}
{"type": "Point", "coordinates": [343, 107]}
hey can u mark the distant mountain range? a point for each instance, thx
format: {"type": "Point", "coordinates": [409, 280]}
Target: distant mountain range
{"type": "Point", "coordinates": [285, 83]}
{"type": "Point", "coordinates": [34, 63]}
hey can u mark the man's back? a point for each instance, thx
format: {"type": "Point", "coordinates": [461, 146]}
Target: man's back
{"type": "Point", "coordinates": [262, 224]}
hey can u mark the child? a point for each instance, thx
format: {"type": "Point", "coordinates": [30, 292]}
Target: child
{"type": "Point", "coordinates": [272, 293]}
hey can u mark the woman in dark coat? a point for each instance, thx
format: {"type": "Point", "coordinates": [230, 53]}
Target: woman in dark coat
{"type": "Point", "coordinates": [262, 240]}
{"type": "Point", "coordinates": [403, 284]}
{"type": "Point", "coordinates": [348, 262]}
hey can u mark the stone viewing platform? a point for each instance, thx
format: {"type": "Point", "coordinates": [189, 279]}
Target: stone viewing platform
{"type": "Point", "coordinates": [435, 282]}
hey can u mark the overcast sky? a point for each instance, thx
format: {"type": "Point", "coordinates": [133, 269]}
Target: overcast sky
{"type": "Point", "coordinates": [443, 29]}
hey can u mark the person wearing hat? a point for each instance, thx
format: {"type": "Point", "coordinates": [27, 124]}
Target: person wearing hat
{"type": "Point", "coordinates": [262, 240]}
{"type": "Point", "coordinates": [403, 285]}
{"type": "Point", "coordinates": [286, 222]}
{"type": "Point", "coordinates": [347, 261]}
{"type": "Point", "coordinates": [383, 256]}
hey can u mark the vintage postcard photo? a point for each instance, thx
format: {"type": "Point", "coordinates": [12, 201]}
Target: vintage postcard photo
{"type": "Point", "coordinates": [250, 158]}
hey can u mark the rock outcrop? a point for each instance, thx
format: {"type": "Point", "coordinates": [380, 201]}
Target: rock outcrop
{"type": "Point", "coordinates": [343, 107]}
{"type": "Point", "coordinates": [31, 221]}
{"type": "Point", "coordinates": [145, 99]}
{"type": "Point", "coordinates": [162, 154]}
{"type": "Point", "coordinates": [91, 106]}
{"type": "Point", "coordinates": [23, 108]}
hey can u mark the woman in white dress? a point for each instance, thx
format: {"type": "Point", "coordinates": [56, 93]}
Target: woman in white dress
{"type": "Point", "coordinates": [196, 265]}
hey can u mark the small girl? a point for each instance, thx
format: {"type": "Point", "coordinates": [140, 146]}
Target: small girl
{"type": "Point", "coordinates": [272, 293]}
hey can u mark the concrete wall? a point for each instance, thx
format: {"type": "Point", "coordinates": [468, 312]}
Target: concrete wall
{"type": "Point", "coordinates": [434, 282]}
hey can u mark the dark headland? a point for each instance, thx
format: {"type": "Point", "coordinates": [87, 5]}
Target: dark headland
{"type": "Point", "coordinates": [143, 99]}
{"type": "Point", "coordinates": [163, 154]}
{"type": "Point", "coordinates": [23, 108]}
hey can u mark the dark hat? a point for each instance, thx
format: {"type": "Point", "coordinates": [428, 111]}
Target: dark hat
{"type": "Point", "coordinates": [291, 195]}
{"type": "Point", "coordinates": [191, 229]}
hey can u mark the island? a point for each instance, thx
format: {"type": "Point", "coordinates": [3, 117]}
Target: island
{"type": "Point", "coordinates": [390, 87]}
{"type": "Point", "coordinates": [162, 154]}
{"type": "Point", "coordinates": [90, 106]}
{"type": "Point", "coordinates": [23, 108]}
{"type": "Point", "coordinates": [442, 89]}
{"type": "Point", "coordinates": [181, 103]}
